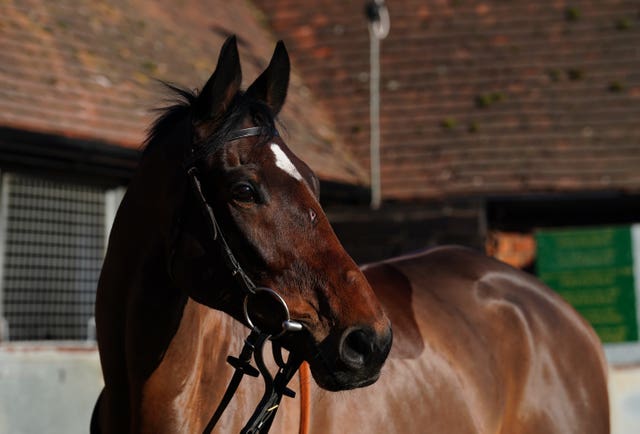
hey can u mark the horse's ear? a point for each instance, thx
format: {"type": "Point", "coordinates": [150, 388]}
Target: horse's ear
{"type": "Point", "coordinates": [222, 86]}
{"type": "Point", "coordinates": [271, 87]}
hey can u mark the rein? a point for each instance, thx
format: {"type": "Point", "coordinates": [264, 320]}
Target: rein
{"type": "Point", "coordinates": [274, 387]}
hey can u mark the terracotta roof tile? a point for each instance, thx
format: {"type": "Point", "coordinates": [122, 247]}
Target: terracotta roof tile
{"type": "Point", "coordinates": [87, 69]}
{"type": "Point", "coordinates": [486, 97]}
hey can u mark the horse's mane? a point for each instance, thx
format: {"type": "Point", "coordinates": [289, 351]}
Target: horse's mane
{"type": "Point", "coordinates": [180, 112]}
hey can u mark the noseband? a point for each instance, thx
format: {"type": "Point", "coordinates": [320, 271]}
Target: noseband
{"type": "Point", "coordinates": [275, 387]}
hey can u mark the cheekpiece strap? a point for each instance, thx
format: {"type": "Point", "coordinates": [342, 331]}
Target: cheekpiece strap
{"type": "Point", "coordinates": [237, 272]}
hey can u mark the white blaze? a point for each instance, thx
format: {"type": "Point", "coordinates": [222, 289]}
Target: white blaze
{"type": "Point", "coordinates": [283, 162]}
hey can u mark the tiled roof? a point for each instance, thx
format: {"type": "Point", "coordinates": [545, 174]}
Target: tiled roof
{"type": "Point", "coordinates": [85, 69]}
{"type": "Point", "coordinates": [481, 97]}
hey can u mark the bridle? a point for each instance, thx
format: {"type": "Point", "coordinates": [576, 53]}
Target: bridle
{"type": "Point", "coordinates": [275, 387]}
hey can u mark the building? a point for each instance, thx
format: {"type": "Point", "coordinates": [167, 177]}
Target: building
{"type": "Point", "coordinates": [79, 81]}
{"type": "Point", "coordinates": [498, 119]}
{"type": "Point", "coordinates": [78, 85]}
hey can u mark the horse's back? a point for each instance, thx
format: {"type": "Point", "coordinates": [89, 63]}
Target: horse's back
{"type": "Point", "coordinates": [480, 347]}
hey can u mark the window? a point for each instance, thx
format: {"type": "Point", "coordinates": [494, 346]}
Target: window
{"type": "Point", "coordinates": [52, 243]}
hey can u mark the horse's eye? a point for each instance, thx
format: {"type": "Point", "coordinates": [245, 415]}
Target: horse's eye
{"type": "Point", "coordinates": [243, 192]}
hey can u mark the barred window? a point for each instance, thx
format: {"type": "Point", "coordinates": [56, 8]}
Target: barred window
{"type": "Point", "coordinates": [52, 241]}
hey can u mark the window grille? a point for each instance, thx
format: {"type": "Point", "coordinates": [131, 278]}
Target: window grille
{"type": "Point", "coordinates": [53, 239]}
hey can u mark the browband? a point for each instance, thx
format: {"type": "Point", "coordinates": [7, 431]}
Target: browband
{"type": "Point", "coordinates": [250, 132]}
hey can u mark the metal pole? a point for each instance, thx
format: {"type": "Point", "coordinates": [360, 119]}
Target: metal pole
{"type": "Point", "coordinates": [374, 119]}
{"type": "Point", "coordinates": [379, 25]}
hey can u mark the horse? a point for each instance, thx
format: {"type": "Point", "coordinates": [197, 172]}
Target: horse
{"type": "Point", "coordinates": [219, 213]}
{"type": "Point", "coordinates": [478, 346]}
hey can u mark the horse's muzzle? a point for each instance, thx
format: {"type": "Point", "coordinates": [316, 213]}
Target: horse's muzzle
{"type": "Point", "coordinates": [361, 352]}
{"type": "Point", "coordinates": [361, 347]}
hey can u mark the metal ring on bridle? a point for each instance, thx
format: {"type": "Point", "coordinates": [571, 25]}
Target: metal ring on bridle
{"type": "Point", "coordinates": [288, 325]}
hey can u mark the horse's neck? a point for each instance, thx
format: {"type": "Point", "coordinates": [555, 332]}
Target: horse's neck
{"type": "Point", "coordinates": [196, 354]}
{"type": "Point", "coordinates": [138, 310]}
{"type": "Point", "coordinates": [154, 195]}
{"type": "Point", "coordinates": [192, 376]}
{"type": "Point", "coordinates": [204, 374]}
{"type": "Point", "coordinates": [174, 348]}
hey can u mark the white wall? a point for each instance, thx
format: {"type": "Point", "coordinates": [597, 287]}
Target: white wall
{"type": "Point", "coordinates": [52, 389]}
{"type": "Point", "coordinates": [47, 389]}
{"type": "Point", "coordinates": [624, 392]}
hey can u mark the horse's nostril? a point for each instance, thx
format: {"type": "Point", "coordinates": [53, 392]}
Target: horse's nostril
{"type": "Point", "coordinates": [356, 347]}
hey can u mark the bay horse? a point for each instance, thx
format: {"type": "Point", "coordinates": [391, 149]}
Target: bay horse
{"type": "Point", "coordinates": [218, 207]}
{"type": "Point", "coordinates": [478, 347]}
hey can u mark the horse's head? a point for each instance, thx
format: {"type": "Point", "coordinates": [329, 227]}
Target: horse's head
{"type": "Point", "coordinates": [265, 200]}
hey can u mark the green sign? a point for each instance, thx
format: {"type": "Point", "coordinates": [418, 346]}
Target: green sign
{"type": "Point", "coordinates": [593, 269]}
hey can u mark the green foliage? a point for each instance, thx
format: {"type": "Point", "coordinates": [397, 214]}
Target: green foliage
{"type": "Point", "coordinates": [486, 99]}
{"type": "Point", "coordinates": [575, 74]}
{"type": "Point", "coordinates": [572, 13]}
{"type": "Point", "coordinates": [623, 24]}
{"type": "Point", "coordinates": [149, 66]}
{"type": "Point", "coordinates": [616, 86]}
{"type": "Point", "coordinates": [554, 74]}
{"type": "Point", "coordinates": [449, 123]}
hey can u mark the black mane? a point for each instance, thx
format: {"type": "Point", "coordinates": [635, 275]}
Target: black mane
{"type": "Point", "coordinates": [181, 112]}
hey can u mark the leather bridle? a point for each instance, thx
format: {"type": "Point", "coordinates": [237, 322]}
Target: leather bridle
{"type": "Point", "coordinates": [275, 387]}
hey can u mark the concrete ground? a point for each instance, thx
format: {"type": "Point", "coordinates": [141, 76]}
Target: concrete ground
{"type": "Point", "coordinates": [46, 389]}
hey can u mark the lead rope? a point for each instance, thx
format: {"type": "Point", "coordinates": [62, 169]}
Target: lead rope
{"type": "Point", "coordinates": [305, 398]}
